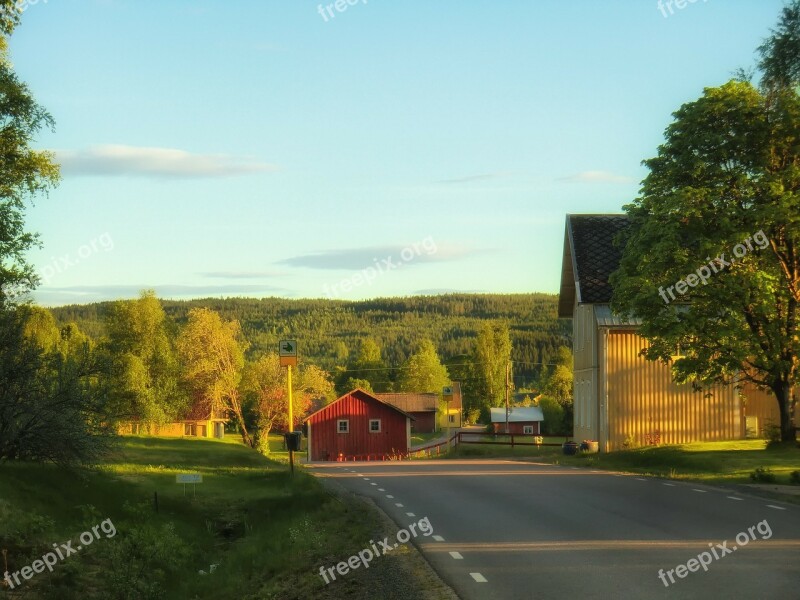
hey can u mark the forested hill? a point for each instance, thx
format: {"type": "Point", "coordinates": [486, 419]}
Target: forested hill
{"type": "Point", "coordinates": [328, 331]}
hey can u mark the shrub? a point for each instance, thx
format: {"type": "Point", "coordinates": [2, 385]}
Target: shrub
{"type": "Point", "coordinates": [763, 475]}
{"type": "Point", "coordinates": [794, 477]}
{"type": "Point", "coordinates": [772, 432]}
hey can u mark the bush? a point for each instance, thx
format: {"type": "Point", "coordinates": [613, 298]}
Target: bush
{"type": "Point", "coordinates": [763, 475]}
{"type": "Point", "coordinates": [553, 417]}
{"type": "Point", "coordinates": [772, 432]}
{"type": "Point", "coordinates": [794, 477]}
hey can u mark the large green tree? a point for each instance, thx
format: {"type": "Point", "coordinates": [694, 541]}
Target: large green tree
{"type": "Point", "coordinates": [423, 371]}
{"type": "Point", "coordinates": [211, 353]}
{"type": "Point", "coordinates": [145, 370]}
{"type": "Point", "coordinates": [24, 172]}
{"type": "Point", "coordinates": [719, 212]}
{"type": "Point", "coordinates": [492, 357]}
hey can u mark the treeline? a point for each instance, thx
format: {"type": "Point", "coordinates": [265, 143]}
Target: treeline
{"type": "Point", "coordinates": [330, 332]}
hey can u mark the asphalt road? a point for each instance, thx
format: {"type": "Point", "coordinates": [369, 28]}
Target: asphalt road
{"type": "Point", "coordinates": [513, 530]}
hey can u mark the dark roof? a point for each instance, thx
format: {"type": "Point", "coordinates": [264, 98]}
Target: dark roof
{"type": "Point", "coordinates": [364, 396]}
{"type": "Point", "coordinates": [590, 257]}
{"type": "Point", "coordinates": [410, 401]}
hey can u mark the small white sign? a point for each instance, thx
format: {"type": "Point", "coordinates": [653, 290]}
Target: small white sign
{"type": "Point", "coordinates": [188, 478]}
{"type": "Point", "coordinates": [447, 390]}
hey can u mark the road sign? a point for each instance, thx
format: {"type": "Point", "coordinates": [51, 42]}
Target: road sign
{"type": "Point", "coordinates": [287, 351]}
{"type": "Point", "coordinates": [447, 390]}
{"type": "Point", "coordinates": [188, 478]}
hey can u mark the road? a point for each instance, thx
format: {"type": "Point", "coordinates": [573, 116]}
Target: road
{"type": "Point", "coordinates": [513, 530]}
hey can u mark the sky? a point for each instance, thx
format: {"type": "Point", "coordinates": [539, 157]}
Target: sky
{"type": "Point", "coordinates": [381, 148]}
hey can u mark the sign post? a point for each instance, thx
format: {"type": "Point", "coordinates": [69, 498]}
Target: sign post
{"type": "Point", "coordinates": [193, 478]}
{"type": "Point", "coordinates": [447, 396]}
{"type": "Point", "coordinates": [287, 353]}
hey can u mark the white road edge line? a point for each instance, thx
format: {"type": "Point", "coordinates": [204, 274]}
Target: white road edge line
{"type": "Point", "coordinates": [776, 507]}
{"type": "Point", "coordinates": [478, 577]}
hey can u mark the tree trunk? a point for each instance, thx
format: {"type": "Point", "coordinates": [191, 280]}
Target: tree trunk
{"type": "Point", "coordinates": [783, 393]}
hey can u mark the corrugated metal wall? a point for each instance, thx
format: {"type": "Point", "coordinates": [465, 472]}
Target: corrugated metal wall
{"type": "Point", "coordinates": [643, 399]}
{"type": "Point", "coordinates": [359, 409]}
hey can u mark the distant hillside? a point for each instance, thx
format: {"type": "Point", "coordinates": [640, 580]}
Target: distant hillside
{"type": "Point", "coordinates": [329, 330]}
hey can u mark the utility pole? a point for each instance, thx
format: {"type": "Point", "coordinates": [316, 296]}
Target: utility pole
{"type": "Point", "coordinates": [291, 414]}
{"type": "Point", "coordinates": [508, 388]}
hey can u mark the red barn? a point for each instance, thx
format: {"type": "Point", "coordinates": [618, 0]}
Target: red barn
{"type": "Point", "coordinates": [358, 426]}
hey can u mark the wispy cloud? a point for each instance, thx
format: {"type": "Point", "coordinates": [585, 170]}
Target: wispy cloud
{"type": "Point", "coordinates": [597, 177]}
{"type": "Point", "coordinates": [242, 274]}
{"type": "Point", "coordinates": [358, 258]}
{"type": "Point", "coordinates": [115, 160]}
{"type": "Point", "coordinates": [472, 178]}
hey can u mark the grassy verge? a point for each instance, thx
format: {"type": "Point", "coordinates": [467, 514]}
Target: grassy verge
{"type": "Point", "coordinates": [266, 533]}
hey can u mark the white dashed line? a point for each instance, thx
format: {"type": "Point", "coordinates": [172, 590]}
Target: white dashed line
{"type": "Point", "coordinates": [398, 505]}
{"type": "Point", "coordinates": [700, 491]}
{"type": "Point", "coordinates": [410, 515]}
{"type": "Point", "coordinates": [735, 498]}
{"type": "Point", "coordinates": [641, 479]}
{"type": "Point", "coordinates": [373, 483]}
{"type": "Point", "coordinates": [389, 496]}
{"type": "Point", "coordinates": [381, 490]}
{"type": "Point", "coordinates": [669, 484]}
{"type": "Point", "coordinates": [438, 538]}
{"type": "Point", "coordinates": [776, 507]}
{"type": "Point", "coordinates": [366, 478]}
{"type": "Point", "coordinates": [478, 577]}
{"type": "Point", "coordinates": [457, 555]}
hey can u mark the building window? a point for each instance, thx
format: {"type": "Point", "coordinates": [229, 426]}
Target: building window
{"type": "Point", "coordinates": [188, 429]}
{"type": "Point", "coordinates": [451, 418]}
{"type": "Point", "coordinates": [374, 425]}
{"type": "Point", "coordinates": [527, 429]}
{"type": "Point", "coordinates": [343, 426]}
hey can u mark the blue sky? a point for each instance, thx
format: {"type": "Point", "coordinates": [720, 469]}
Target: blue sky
{"type": "Point", "coordinates": [265, 147]}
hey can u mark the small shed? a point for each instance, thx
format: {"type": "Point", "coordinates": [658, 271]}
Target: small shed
{"type": "Point", "coordinates": [521, 420]}
{"type": "Point", "coordinates": [422, 406]}
{"type": "Point", "coordinates": [358, 426]}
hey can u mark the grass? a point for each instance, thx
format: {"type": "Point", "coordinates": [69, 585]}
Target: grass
{"type": "Point", "coordinates": [710, 462]}
{"type": "Point", "coordinates": [267, 532]}
{"type": "Point", "coordinates": [417, 439]}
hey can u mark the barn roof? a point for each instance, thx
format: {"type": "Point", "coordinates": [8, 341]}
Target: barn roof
{"type": "Point", "coordinates": [590, 257]}
{"type": "Point", "coordinates": [363, 395]}
{"type": "Point", "coordinates": [517, 414]}
{"type": "Point", "coordinates": [410, 401]}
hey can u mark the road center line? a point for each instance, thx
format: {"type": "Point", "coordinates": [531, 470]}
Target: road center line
{"type": "Point", "coordinates": [457, 555]}
{"type": "Point", "coordinates": [438, 538]}
{"type": "Point", "coordinates": [776, 507]}
{"type": "Point", "coordinates": [478, 577]}
{"type": "Point", "coordinates": [735, 498]}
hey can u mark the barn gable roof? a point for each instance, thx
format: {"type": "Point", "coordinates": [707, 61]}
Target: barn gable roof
{"type": "Point", "coordinates": [590, 257]}
{"type": "Point", "coordinates": [410, 401]}
{"type": "Point", "coordinates": [364, 396]}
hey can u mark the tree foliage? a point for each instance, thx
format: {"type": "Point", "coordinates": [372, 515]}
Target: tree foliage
{"type": "Point", "coordinates": [211, 353]}
{"type": "Point", "coordinates": [722, 201]}
{"type": "Point", "coordinates": [423, 371]}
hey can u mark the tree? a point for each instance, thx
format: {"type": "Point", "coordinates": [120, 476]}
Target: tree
{"type": "Point", "coordinates": [211, 352]}
{"type": "Point", "coordinates": [780, 53]}
{"type": "Point", "coordinates": [492, 356]}
{"type": "Point", "coordinates": [558, 386]}
{"type": "Point", "coordinates": [52, 405]}
{"type": "Point", "coordinates": [145, 371]}
{"type": "Point", "coordinates": [423, 371]}
{"type": "Point", "coordinates": [24, 172]}
{"type": "Point", "coordinates": [264, 387]}
{"type": "Point", "coordinates": [724, 184]}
